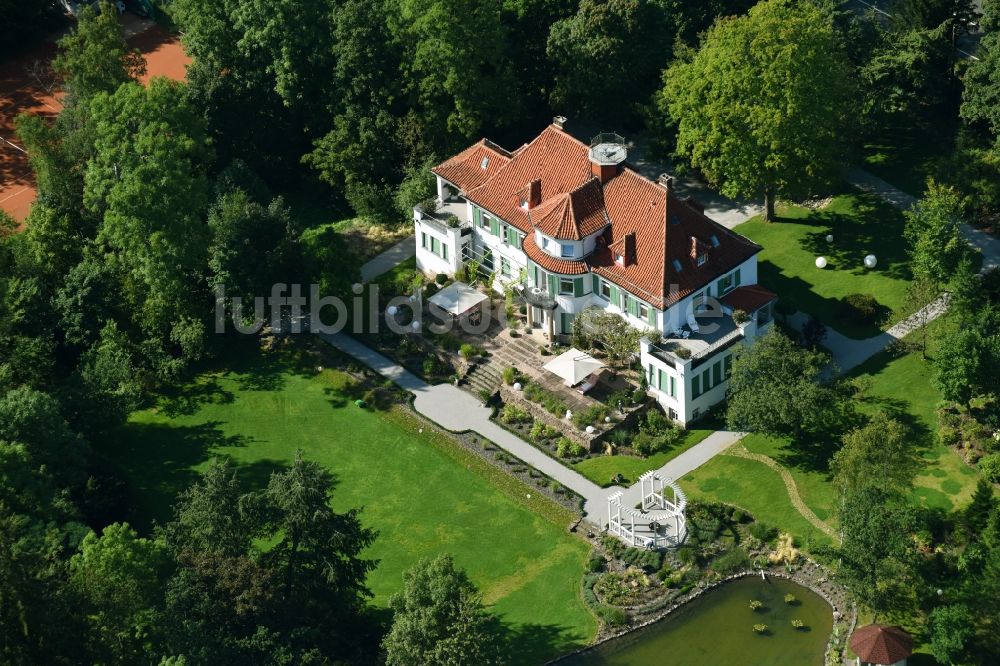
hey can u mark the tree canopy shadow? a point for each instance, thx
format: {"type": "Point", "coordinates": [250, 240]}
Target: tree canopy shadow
{"type": "Point", "coordinates": [533, 643]}
{"type": "Point", "coordinates": [159, 461]}
{"type": "Point", "coordinates": [188, 399]}
{"type": "Point", "coordinates": [871, 227]}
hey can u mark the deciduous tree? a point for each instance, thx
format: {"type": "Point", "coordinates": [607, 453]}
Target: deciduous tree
{"type": "Point", "coordinates": [764, 104]}
{"type": "Point", "coordinates": [775, 389]}
{"type": "Point", "coordinates": [439, 619]}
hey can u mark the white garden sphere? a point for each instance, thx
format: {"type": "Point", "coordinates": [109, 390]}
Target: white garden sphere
{"type": "Point", "coordinates": [590, 430]}
{"type": "Point", "coordinates": [517, 386]}
{"type": "Point", "coordinates": [829, 238]}
{"type": "Point", "coordinates": [392, 310]}
{"type": "Point", "coordinates": [569, 414]}
{"type": "Point", "coordinates": [607, 419]}
{"type": "Point", "coordinates": [870, 261]}
{"type": "Point", "coordinates": [820, 262]}
{"type": "Point", "coordinates": [415, 326]}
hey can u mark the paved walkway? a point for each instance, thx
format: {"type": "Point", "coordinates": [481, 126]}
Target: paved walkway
{"type": "Point", "coordinates": [389, 259]}
{"type": "Point", "coordinates": [458, 411]}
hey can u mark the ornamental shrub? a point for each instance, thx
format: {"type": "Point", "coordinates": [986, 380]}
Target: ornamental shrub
{"type": "Point", "coordinates": [730, 562]}
{"type": "Point", "coordinates": [989, 467]}
{"type": "Point", "coordinates": [509, 375]}
{"type": "Point", "coordinates": [513, 414]}
{"type": "Point", "coordinates": [859, 308]}
{"type": "Point", "coordinates": [567, 448]}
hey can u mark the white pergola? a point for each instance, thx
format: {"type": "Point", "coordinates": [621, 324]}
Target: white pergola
{"type": "Point", "coordinates": [573, 366]}
{"type": "Point", "coordinates": [660, 524]}
{"type": "Point", "coordinates": [457, 298]}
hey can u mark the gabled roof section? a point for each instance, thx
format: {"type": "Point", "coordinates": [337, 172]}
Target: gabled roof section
{"type": "Point", "coordinates": [663, 225]}
{"type": "Point", "coordinates": [559, 161]}
{"type": "Point", "coordinates": [573, 215]}
{"type": "Point", "coordinates": [473, 166]}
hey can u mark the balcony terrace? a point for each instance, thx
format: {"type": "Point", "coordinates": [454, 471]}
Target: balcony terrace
{"type": "Point", "coordinates": [716, 331]}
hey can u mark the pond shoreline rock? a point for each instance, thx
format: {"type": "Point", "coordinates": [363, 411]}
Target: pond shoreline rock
{"type": "Point", "coordinates": [809, 574]}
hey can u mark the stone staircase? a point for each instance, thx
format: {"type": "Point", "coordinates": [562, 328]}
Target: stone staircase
{"type": "Point", "coordinates": [519, 352]}
{"type": "Point", "coordinates": [485, 375]}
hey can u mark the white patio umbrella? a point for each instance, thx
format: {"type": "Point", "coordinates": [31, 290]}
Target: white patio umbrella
{"type": "Point", "coordinates": [573, 366]}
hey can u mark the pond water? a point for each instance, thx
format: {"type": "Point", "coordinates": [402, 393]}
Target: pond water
{"type": "Point", "coordinates": [717, 628]}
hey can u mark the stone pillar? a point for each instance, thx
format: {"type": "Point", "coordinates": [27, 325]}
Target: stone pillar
{"type": "Point", "coordinates": [531, 316]}
{"type": "Point", "coordinates": [551, 314]}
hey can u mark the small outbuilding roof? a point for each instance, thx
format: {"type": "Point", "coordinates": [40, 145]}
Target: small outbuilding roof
{"type": "Point", "coordinates": [881, 644]}
{"type": "Point", "coordinates": [573, 366]}
{"type": "Point", "coordinates": [457, 298]}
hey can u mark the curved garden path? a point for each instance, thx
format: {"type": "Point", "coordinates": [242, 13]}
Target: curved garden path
{"type": "Point", "coordinates": [740, 451]}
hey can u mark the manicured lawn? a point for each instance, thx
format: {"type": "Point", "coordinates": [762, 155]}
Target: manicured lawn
{"type": "Point", "coordinates": [902, 385]}
{"type": "Point", "coordinates": [860, 224]}
{"type": "Point", "coordinates": [601, 469]}
{"type": "Point", "coordinates": [421, 491]}
{"type": "Point", "coordinates": [897, 382]}
{"type": "Point", "coordinates": [754, 487]}
{"type": "Point", "coordinates": [814, 484]}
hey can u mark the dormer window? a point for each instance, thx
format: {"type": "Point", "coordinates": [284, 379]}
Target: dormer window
{"type": "Point", "coordinates": [485, 163]}
{"type": "Point", "coordinates": [620, 260]}
{"type": "Point", "coordinates": [702, 258]}
{"type": "Point", "coordinates": [715, 241]}
{"type": "Point", "coordinates": [677, 266]}
{"type": "Point", "coordinates": [565, 250]}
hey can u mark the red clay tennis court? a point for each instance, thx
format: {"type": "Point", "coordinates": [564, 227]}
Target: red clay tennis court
{"type": "Point", "coordinates": [25, 86]}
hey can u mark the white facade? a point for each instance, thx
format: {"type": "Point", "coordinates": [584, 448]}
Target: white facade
{"type": "Point", "coordinates": [686, 383]}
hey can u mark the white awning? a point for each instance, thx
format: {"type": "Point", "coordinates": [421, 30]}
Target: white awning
{"type": "Point", "coordinates": [573, 366]}
{"type": "Point", "coordinates": [457, 298]}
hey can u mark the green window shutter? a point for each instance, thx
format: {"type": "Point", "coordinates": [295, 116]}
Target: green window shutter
{"type": "Point", "coordinates": [597, 283]}
{"type": "Point", "coordinates": [719, 287]}
{"type": "Point", "coordinates": [673, 387]}
{"type": "Point", "coordinates": [477, 216]}
{"type": "Point", "coordinates": [633, 306]}
{"type": "Point", "coordinates": [706, 379]}
{"type": "Point", "coordinates": [727, 365]}
{"type": "Point", "coordinates": [553, 284]}
{"type": "Point", "coordinates": [736, 280]}
{"type": "Point", "coordinates": [614, 295]}
{"type": "Point", "coordinates": [695, 386]}
{"type": "Point", "coordinates": [494, 226]}
{"type": "Point", "coordinates": [663, 380]}
{"type": "Point", "coordinates": [578, 286]}
{"type": "Point", "coordinates": [652, 316]}
{"type": "Point", "coordinates": [717, 373]}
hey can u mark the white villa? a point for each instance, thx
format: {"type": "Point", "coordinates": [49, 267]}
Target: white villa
{"type": "Point", "coordinates": [588, 230]}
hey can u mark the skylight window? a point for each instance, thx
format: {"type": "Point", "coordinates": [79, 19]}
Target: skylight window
{"type": "Point", "coordinates": [677, 266]}
{"type": "Point", "coordinates": [484, 163]}
{"type": "Point", "coordinates": [702, 258]}
{"type": "Point", "coordinates": [715, 241]}
{"type": "Point", "coordinates": [674, 219]}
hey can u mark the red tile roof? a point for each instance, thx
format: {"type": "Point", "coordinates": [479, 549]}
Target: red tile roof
{"type": "Point", "coordinates": [573, 215]}
{"type": "Point", "coordinates": [881, 644]}
{"type": "Point", "coordinates": [749, 298]}
{"type": "Point", "coordinates": [574, 204]}
{"type": "Point", "coordinates": [550, 263]}
{"type": "Point", "coordinates": [466, 169]}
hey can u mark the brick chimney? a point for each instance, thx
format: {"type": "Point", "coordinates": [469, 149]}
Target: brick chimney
{"type": "Point", "coordinates": [534, 193]}
{"type": "Point", "coordinates": [628, 247]}
{"type": "Point", "coordinates": [559, 121]}
{"type": "Point", "coordinates": [666, 180]}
